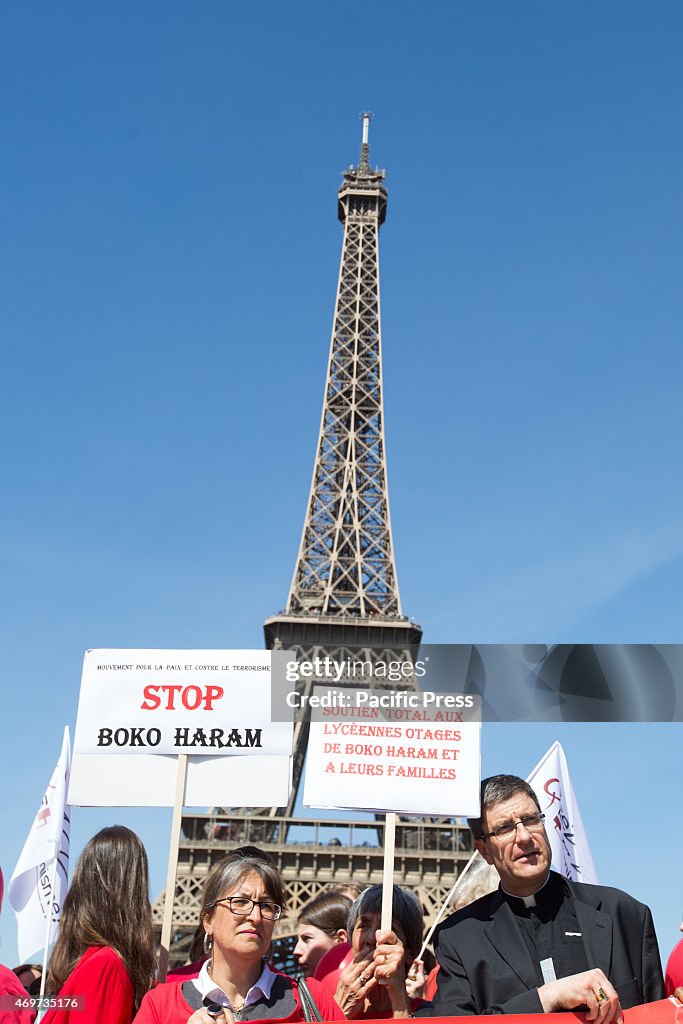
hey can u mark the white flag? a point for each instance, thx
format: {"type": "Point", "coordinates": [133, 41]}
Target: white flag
{"type": "Point", "coordinates": [568, 841]}
{"type": "Point", "coordinates": [39, 881]}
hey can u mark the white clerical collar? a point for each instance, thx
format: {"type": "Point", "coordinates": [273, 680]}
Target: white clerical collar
{"type": "Point", "coordinates": [211, 992]}
{"type": "Point", "coordinates": [528, 901]}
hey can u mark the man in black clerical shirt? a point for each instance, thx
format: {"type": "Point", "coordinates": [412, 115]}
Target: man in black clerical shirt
{"type": "Point", "coordinates": [539, 943]}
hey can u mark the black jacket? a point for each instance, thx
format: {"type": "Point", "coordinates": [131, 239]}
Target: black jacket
{"type": "Point", "coordinates": [485, 966]}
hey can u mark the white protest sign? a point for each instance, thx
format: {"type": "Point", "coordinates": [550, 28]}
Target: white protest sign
{"type": "Point", "coordinates": [178, 702]}
{"type": "Point", "coordinates": [119, 758]}
{"type": "Point", "coordinates": [419, 759]}
{"type": "Point", "coordinates": [149, 780]}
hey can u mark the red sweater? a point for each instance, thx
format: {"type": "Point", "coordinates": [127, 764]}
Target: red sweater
{"type": "Point", "coordinates": [101, 980]}
{"type": "Point", "coordinates": [166, 1004]}
{"type": "Point", "coordinates": [673, 976]}
{"type": "Point", "coordinates": [10, 986]}
{"type": "Point", "coordinates": [187, 972]}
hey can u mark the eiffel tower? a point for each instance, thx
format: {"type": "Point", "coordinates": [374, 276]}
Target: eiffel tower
{"type": "Point", "coordinates": [343, 603]}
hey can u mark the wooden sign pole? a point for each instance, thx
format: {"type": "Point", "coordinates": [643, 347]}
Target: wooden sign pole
{"type": "Point", "coordinates": [388, 875]}
{"type": "Point", "coordinates": [169, 896]}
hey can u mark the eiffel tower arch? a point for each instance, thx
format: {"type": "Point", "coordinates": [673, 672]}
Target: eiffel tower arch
{"type": "Point", "coordinates": [343, 603]}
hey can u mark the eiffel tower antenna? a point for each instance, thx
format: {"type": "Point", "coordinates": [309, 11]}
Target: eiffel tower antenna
{"type": "Point", "coordinates": [343, 603]}
{"type": "Point", "coordinates": [363, 163]}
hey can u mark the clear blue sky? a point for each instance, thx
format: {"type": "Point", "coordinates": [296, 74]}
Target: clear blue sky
{"type": "Point", "coordinates": [171, 247]}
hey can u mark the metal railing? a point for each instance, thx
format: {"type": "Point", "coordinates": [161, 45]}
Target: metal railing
{"type": "Point", "coordinates": [240, 830]}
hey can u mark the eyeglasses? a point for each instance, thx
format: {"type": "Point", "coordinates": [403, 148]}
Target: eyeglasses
{"type": "Point", "coordinates": [531, 822]}
{"type": "Point", "coordinates": [242, 906]}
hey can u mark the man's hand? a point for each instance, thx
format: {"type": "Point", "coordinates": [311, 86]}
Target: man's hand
{"type": "Point", "coordinates": [591, 989]}
{"type": "Point", "coordinates": [416, 979]}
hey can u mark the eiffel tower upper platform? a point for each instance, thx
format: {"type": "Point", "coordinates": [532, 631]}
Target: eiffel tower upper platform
{"type": "Point", "coordinates": [343, 602]}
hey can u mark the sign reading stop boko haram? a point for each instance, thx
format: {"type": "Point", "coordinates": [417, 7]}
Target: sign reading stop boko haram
{"type": "Point", "coordinates": [178, 702]}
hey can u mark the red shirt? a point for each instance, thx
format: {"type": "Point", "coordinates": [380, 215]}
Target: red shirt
{"type": "Point", "coordinates": [166, 1004]}
{"type": "Point", "coordinates": [101, 980]}
{"type": "Point", "coordinates": [186, 972]}
{"type": "Point", "coordinates": [11, 986]}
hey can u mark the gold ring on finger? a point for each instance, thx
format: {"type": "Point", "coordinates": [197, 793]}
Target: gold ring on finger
{"type": "Point", "coordinates": [602, 994]}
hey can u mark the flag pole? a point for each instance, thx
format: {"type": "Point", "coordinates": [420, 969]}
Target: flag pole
{"type": "Point", "coordinates": [48, 838]}
{"type": "Point", "coordinates": [48, 929]}
{"type": "Point", "coordinates": [446, 902]}
{"type": "Point", "coordinates": [169, 896]}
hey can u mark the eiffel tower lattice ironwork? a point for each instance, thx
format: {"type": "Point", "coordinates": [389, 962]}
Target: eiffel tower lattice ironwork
{"type": "Point", "coordinates": [344, 604]}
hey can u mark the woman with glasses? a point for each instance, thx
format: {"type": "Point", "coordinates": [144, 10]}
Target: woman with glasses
{"type": "Point", "coordinates": [103, 961]}
{"type": "Point", "coordinates": [242, 901]}
{"type": "Point", "coordinates": [196, 954]}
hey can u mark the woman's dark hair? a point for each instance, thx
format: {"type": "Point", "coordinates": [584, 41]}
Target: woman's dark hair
{"type": "Point", "coordinates": [229, 872]}
{"type": "Point", "coordinates": [328, 912]}
{"type": "Point", "coordinates": [108, 905]}
{"type": "Point", "coordinates": [406, 912]}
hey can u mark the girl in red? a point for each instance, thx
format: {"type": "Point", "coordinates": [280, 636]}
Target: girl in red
{"type": "Point", "coordinates": [321, 925]}
{"type": "Point", "coordinates": [104, 956]}
{"type": "Point", "coordinates": [242, 901]}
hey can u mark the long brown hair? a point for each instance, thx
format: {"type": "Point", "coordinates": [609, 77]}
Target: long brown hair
{"type": "Point", "coordinates": [108, 905]}
{"type": "Point", "coordinates": [328, 911]}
